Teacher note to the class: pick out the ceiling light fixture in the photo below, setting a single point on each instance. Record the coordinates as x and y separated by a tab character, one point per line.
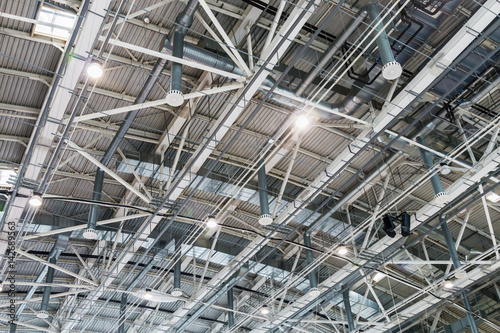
342	250
211	222
95	70
36	200
448	284
148	294
302	121
156	296
445	169
42	314
264	310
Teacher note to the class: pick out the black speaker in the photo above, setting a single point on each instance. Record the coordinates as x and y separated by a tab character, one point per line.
389	226
405	224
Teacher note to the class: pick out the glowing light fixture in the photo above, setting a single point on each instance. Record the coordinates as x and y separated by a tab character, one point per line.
156	296
211	222
448	284
148	294
36	200
95	70
342	250
302	121
264	310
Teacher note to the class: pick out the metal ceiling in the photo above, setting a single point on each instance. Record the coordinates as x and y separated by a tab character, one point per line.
335	179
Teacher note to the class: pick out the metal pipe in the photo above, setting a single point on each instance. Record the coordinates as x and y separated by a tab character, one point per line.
230	306
123	309
456	263
330	52
439	193
348	312
391	69
313	282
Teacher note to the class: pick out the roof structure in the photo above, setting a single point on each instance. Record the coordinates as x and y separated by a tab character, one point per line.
209	166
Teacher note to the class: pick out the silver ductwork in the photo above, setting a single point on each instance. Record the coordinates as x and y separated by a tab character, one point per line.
265	218
391	69
358	95
186	17
43	313
182	24
439	193
313	281
176	291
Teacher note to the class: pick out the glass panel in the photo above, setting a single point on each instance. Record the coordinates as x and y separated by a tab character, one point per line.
58	23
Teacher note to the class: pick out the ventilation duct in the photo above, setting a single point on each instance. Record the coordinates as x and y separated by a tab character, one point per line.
440	195
230	306
43	313
357	96
123	310
183	23
348	311
265	218
313	291
391	69
183	18
456	264
176	291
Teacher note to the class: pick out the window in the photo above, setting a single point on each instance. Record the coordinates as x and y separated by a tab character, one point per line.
54	23
5	174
